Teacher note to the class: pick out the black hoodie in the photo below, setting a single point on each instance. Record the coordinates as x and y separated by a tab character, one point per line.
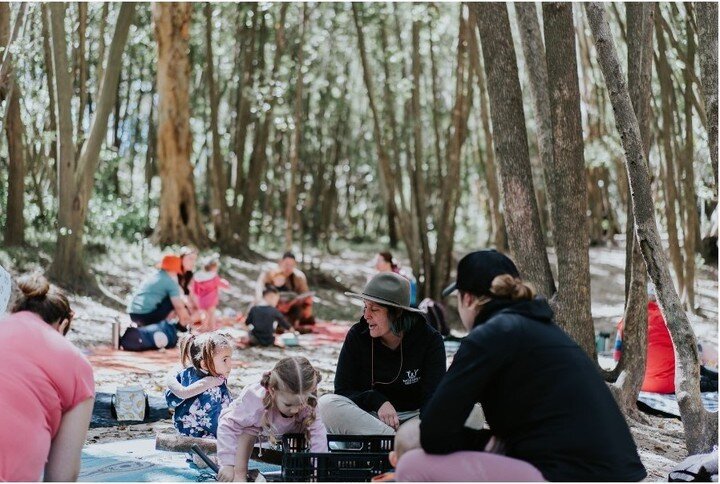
423	365
541	395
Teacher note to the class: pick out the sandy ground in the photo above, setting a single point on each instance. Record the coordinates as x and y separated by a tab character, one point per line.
660	443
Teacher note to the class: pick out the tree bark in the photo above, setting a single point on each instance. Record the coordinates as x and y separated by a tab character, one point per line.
75	179
669	180
220	215
508	121
699	424
572	302
534	52
81	75
179	221
707	20
99	73
290	206
51	124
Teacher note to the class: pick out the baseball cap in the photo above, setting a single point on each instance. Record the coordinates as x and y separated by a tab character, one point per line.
476	271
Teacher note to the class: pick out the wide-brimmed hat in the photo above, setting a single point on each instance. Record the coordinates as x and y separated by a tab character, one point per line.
171	263
476	271
389	289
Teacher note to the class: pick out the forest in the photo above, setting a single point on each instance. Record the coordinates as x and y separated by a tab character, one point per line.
429	129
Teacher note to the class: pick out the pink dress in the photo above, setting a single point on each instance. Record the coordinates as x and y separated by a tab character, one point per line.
206	288
43	376
244	415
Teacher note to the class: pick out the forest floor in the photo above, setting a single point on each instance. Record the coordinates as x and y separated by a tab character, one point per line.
120	269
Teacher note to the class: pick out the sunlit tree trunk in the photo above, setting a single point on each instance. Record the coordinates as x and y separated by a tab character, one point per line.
179	221
707	21
508	121
699	424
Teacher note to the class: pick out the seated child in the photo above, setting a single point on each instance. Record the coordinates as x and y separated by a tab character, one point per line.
205	287
264	318
199	392
283	402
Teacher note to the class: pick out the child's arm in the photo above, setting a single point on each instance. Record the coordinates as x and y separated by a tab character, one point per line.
193	389
238	471
318	435
223	283
282	321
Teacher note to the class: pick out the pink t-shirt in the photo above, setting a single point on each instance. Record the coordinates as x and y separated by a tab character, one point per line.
206	287
244	416
43	376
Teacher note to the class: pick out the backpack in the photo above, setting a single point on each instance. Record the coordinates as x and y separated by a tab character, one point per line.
435	315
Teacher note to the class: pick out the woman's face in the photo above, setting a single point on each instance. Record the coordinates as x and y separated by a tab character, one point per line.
188	261
466	311
381	265
377	319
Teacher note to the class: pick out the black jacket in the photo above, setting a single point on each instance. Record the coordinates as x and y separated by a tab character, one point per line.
423	366
541	395
262	318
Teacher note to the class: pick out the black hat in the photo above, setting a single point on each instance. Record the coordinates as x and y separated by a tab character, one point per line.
476	271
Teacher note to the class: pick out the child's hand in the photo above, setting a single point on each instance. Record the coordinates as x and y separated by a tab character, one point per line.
226	474
215	381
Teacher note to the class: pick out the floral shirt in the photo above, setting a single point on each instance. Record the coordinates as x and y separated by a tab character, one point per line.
198	416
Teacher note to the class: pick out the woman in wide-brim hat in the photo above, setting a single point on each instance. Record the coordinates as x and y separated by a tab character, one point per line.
389	366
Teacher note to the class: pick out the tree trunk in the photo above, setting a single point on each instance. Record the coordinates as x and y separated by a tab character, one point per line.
508	121
534	52
290	207
669	180
101	47
688	179
14	232
499	237
75	179
81	75
572	302
699	424
707	20
220	215
179	221
51	126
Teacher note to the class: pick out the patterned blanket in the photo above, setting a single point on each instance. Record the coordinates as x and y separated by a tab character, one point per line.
667	406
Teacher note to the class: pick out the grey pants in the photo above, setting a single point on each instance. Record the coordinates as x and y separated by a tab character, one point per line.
341	416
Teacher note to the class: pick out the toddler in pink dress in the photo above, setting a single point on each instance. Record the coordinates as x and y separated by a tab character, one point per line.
205	288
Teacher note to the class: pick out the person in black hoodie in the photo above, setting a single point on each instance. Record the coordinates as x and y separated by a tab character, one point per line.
389	366
543	398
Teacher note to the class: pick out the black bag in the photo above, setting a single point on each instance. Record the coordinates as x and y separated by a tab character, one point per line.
435	315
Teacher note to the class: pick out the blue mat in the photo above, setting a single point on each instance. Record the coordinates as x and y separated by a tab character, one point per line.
137	460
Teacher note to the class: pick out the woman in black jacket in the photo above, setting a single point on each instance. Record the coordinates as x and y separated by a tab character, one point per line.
389	366
543	398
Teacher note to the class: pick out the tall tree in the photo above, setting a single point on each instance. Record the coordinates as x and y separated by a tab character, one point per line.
572	302
511	147
179	221
290	206
76	177
699	424
707	21
14	232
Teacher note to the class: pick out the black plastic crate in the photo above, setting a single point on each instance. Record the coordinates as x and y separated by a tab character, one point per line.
356	458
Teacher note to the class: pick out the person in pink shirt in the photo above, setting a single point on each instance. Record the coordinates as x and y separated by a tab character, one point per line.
205	288
46	388
283	402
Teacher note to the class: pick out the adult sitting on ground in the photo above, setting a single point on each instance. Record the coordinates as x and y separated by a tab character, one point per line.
159	295
384	262
295	300
542	396
389	366
47	388
660	365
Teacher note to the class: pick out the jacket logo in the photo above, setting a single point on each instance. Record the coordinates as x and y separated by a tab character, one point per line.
412	377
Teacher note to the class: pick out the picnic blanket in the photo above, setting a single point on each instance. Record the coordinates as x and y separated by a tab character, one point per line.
101	416
666	405
122	362
137	460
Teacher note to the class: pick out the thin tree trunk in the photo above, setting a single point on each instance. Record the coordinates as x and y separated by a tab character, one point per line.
219	208
82	70
99	72
179	221
699	424
688	179
499	237
534	53
508	121
47	56
707	19
290	209
572	301
670	184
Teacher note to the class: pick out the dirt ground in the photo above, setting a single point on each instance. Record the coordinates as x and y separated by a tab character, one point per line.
660	442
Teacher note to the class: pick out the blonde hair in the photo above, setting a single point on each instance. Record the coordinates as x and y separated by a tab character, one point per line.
505	287
295	375
194	350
